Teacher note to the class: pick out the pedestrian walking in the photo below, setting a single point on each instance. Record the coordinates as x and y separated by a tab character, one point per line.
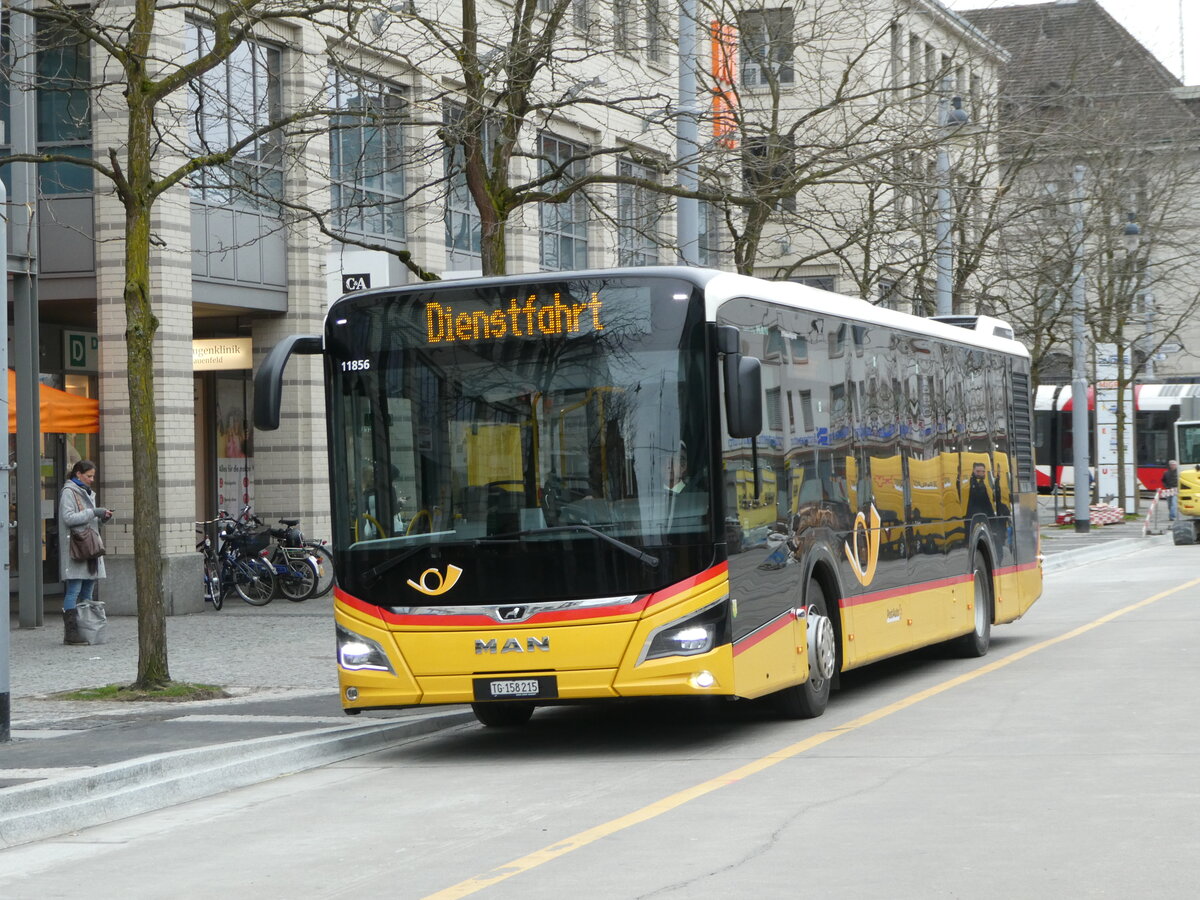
1170	488
78	513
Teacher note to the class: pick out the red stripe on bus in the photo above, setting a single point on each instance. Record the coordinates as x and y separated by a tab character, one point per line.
756	637
468	619
875	596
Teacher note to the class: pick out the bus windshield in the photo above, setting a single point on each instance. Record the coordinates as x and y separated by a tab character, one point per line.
542	441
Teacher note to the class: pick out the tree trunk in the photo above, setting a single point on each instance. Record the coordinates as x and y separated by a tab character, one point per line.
140	327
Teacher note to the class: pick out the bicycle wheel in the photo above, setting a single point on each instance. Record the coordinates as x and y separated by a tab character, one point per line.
214	590
298	581
254	582
324	568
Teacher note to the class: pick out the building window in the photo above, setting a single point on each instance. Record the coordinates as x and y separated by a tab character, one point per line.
625	26
768	164
897	54
64	110
638	217
236	101
463	222
366	149
890	296
824	282
710	234
581	15
768	41
656	31
563	225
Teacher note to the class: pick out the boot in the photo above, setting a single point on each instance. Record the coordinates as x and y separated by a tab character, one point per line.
71	633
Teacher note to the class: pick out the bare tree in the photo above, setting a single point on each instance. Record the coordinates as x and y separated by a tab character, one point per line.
145	76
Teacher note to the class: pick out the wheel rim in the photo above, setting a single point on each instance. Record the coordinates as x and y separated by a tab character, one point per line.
981	598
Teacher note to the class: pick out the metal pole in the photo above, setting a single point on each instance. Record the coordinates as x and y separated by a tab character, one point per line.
5	468
1079	381
944	257
687	145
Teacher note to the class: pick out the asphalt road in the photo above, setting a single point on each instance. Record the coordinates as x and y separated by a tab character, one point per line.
1062	765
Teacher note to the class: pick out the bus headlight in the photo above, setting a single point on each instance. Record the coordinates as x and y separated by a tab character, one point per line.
698	633
356	652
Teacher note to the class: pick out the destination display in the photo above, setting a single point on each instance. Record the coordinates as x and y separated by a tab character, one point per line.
535	316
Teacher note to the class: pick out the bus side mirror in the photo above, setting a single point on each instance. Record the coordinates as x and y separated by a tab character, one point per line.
268	380
743	386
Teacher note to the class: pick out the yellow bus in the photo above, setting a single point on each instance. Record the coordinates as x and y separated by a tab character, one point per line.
552	465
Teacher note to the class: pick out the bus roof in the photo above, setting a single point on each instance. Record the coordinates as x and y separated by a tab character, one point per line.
724	286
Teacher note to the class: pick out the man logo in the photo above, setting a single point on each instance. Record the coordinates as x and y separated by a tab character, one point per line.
512	645
512	613
444	583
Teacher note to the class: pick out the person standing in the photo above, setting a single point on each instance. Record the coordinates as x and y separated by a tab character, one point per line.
1171	488
77	509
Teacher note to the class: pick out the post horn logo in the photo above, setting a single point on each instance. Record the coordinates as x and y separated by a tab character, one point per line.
864	574
444	582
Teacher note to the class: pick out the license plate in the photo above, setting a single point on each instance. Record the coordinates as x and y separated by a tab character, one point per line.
541	687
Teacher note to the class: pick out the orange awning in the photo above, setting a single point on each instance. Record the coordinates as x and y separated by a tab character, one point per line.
60	412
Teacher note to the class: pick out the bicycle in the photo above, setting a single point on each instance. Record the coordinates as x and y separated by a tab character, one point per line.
303	568
236	561
297	572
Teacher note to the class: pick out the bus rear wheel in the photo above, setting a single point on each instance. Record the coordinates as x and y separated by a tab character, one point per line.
507	714
808	700
975	644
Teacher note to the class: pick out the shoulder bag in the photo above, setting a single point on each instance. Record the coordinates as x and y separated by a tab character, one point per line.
85	542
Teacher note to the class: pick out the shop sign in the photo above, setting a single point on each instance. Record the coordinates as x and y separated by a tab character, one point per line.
214	354
81	351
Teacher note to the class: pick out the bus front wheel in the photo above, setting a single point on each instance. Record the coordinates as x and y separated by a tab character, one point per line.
507	714
975	643
808	700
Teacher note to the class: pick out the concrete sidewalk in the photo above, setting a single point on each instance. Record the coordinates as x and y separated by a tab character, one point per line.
71	765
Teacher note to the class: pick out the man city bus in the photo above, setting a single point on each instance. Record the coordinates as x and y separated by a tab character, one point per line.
561	487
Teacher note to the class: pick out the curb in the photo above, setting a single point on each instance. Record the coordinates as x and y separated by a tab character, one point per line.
108	793
1068	559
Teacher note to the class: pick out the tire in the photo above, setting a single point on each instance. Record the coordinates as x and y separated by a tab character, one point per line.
975	644
213	586
255	582
212	582
1184	532
298	582
324	568
808	700
503	714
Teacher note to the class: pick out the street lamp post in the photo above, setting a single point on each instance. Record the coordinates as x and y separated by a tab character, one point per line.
1131	236
951	116
1079	402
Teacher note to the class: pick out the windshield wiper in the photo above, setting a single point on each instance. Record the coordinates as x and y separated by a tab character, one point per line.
373	574
515	537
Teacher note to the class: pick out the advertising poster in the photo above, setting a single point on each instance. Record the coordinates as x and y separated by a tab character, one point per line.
1107	438
235	455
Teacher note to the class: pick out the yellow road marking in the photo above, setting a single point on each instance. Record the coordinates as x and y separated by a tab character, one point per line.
591	835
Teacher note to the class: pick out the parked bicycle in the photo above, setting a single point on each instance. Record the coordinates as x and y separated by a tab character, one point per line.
234	560
295	568
303	568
